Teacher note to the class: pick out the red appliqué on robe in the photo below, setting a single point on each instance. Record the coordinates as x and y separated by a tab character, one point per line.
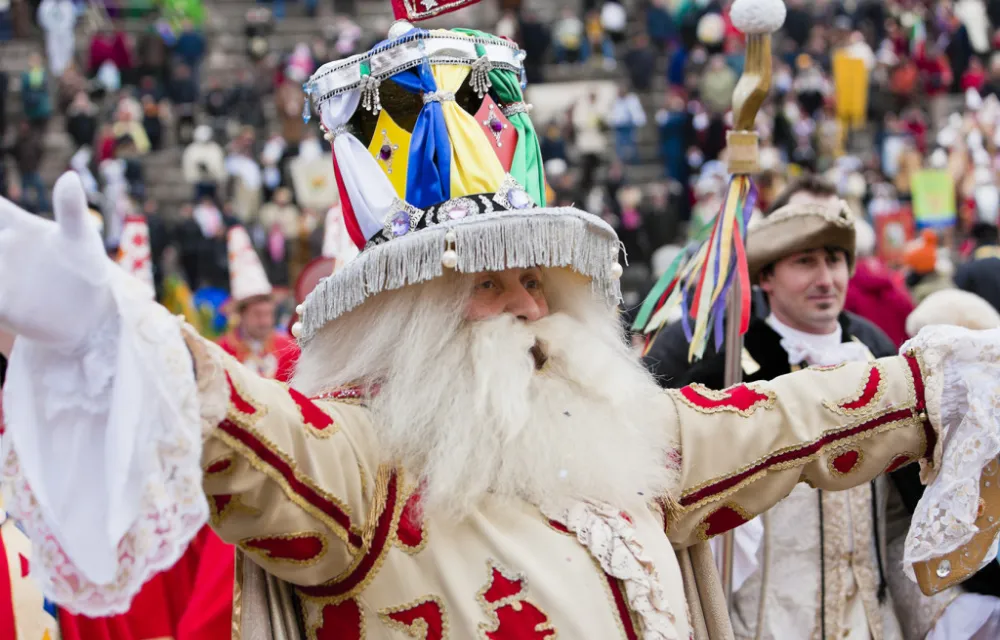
512	616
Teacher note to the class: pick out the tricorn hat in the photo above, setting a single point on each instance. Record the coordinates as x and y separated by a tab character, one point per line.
799	227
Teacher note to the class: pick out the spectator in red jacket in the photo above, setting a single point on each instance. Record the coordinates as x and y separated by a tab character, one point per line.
872	292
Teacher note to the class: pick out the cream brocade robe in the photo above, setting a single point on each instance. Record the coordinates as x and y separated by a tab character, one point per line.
300	486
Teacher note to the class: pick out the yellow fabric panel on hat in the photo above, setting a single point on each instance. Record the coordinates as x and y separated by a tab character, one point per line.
472	171
390	146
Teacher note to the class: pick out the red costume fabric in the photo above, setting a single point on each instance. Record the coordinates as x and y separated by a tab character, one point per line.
875	296
276	359
193	600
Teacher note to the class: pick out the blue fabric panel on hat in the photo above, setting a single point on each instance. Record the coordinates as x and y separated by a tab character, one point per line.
429	179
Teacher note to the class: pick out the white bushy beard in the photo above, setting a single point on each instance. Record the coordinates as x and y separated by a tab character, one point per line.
463	406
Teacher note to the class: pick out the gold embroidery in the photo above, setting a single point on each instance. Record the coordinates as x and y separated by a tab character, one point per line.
265	554
240	419
418	628
233	506
313	430
838	406
791	464
312	610
725	395
515	601
224	471
286	488
236	621
839	451
378	506
412	550
702	530
604	578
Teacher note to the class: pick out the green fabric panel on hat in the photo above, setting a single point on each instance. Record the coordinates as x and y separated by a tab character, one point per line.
366	69
527	167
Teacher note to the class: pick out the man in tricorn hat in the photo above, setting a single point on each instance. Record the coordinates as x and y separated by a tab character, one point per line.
468	447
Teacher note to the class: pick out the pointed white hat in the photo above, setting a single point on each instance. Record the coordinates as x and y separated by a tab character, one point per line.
134	254
246	274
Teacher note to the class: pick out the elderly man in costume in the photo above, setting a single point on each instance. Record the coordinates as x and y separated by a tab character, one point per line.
255	341
469	448
815	564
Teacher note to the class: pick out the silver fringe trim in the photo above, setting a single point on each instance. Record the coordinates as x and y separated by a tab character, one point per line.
438	96
479	77
550	237
370	99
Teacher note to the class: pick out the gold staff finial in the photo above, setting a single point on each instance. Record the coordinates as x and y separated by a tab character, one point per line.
758	19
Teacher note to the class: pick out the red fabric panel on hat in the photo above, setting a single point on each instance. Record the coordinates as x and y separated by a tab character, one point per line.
499	132
350	219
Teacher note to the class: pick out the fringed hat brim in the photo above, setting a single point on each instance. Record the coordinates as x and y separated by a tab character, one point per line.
540	237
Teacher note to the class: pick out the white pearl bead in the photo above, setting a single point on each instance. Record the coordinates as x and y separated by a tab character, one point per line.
450	237
300	310
616	271
449	259
297	329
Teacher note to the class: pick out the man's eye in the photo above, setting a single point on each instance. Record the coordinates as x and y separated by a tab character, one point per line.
486	284
532	283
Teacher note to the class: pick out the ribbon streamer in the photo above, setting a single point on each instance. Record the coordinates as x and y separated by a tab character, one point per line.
700	281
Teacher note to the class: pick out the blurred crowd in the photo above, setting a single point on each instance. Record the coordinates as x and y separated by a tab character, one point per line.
867	93
121	95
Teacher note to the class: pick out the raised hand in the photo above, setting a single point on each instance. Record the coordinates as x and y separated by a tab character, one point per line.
54	276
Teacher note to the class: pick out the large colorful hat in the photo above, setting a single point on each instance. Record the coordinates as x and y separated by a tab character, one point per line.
247	278
134	254
438	167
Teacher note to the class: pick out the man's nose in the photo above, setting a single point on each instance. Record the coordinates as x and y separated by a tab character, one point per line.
524	306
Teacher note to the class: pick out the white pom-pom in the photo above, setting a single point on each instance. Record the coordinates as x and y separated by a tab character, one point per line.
616	270
449	259
758	16
296	329
300	309
399	28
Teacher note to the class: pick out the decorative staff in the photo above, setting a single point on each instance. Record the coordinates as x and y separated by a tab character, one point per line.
711	283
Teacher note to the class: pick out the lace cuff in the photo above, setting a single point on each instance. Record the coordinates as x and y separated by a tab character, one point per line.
103	456
962	386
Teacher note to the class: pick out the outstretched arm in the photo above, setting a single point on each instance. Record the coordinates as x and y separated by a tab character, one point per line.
745	448
113	442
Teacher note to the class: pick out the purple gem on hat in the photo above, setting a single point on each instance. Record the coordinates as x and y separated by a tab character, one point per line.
400	224
518	198
385	152
456	211
495	125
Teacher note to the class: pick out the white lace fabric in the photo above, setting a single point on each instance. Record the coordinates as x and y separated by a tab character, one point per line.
962	389
611	540
102	455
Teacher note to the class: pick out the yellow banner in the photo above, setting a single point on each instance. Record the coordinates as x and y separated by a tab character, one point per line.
850	79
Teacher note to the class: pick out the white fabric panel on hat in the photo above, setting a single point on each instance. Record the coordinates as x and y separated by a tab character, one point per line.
370	192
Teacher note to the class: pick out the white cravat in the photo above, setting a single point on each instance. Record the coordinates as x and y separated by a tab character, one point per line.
823	350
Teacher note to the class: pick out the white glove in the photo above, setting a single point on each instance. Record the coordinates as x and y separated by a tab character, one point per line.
54	276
